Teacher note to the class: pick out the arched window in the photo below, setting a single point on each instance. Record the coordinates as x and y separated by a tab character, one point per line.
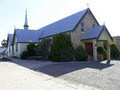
82	26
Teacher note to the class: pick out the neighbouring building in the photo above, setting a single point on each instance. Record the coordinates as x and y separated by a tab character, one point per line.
3	51
82	26
9	44
116	41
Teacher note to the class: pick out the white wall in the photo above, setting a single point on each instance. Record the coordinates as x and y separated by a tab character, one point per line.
21	48
104	36
9	49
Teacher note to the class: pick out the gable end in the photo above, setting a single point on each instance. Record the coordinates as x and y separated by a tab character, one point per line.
88	11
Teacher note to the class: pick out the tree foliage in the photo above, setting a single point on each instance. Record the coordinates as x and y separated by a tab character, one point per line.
61	49
102	51
42	48
80	54
29	52
115	53
31	48
4	43
24	55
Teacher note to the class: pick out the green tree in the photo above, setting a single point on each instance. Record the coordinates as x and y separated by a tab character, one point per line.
102	51
24	55
29	52
115	53
31	49
42	48
4	43
61	49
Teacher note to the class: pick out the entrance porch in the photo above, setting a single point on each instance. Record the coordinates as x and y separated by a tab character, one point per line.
91	48
95	37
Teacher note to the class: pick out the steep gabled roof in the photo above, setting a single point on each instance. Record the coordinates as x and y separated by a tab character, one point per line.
63	25
10	38
25	36
2	50
95	32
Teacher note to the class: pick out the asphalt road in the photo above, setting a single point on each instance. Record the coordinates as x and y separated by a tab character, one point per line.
103	75
22	75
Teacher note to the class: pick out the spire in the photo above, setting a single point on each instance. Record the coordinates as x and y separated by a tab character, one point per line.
26	21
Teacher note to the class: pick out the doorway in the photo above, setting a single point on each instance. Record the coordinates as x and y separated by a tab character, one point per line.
89	48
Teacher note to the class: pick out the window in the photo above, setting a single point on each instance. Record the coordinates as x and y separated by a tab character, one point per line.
16	46
82	26
93	25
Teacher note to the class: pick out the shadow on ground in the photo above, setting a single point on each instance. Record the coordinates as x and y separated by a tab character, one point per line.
4	60
62	68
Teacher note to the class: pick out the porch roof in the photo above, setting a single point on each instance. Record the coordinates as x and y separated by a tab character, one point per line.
94	33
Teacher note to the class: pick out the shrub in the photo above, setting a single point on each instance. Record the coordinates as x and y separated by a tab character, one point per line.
31	49
61	49
24	55
42	48
102	51
15	57
80	54
115	53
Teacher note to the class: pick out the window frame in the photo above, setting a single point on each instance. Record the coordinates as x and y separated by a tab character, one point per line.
82	26
93	25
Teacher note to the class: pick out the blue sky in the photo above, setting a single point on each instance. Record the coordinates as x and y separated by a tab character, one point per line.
44	12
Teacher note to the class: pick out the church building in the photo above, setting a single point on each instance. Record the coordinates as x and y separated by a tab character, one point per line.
82	27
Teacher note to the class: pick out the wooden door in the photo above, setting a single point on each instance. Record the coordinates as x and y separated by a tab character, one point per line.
89	48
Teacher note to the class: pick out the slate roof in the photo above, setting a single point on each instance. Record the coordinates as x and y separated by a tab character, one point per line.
94	33
10	38
2	50
63	25
25	36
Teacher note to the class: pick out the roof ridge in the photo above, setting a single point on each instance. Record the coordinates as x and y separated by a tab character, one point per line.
26	29
63	18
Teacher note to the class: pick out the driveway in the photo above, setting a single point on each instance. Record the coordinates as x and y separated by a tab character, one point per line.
103	75
41	75
22	75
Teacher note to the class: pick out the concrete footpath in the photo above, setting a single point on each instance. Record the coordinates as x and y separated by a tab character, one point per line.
19	76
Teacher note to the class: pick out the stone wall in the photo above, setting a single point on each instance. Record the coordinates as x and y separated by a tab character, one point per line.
77	33
118	42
